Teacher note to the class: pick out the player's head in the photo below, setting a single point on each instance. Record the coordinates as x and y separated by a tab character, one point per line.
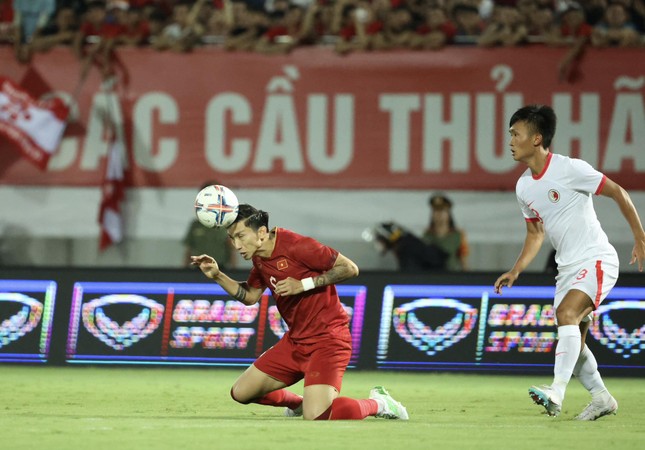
250	231
252	217
539	119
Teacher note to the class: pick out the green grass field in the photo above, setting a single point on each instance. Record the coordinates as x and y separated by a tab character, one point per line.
116	409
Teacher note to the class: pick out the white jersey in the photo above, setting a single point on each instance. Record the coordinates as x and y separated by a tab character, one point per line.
560	198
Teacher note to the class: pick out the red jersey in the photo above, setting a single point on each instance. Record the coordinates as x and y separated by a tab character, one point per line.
313	314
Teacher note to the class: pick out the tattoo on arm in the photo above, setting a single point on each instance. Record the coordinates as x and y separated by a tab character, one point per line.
240	294
334	275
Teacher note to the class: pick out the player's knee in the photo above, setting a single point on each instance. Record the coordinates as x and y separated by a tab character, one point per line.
236	395
566	316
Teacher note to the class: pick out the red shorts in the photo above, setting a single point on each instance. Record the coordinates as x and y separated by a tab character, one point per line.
323	362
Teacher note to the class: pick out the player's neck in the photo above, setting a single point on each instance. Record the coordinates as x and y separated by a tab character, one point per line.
538	161
266	249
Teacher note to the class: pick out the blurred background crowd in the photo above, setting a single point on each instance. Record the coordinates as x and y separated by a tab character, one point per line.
278	26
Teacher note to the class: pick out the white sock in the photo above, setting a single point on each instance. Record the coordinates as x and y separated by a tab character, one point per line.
586	370
566	354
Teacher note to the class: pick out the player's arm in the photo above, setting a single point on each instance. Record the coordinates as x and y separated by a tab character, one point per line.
343	269
627	208
532	244
240	291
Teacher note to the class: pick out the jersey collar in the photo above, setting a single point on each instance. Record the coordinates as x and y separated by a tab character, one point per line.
546	166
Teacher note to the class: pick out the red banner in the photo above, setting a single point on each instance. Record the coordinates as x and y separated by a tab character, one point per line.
417	120
35	127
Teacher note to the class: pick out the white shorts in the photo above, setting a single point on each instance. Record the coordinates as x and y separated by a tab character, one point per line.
594	277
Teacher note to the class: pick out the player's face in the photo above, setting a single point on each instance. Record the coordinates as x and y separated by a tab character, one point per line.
245	240
522	141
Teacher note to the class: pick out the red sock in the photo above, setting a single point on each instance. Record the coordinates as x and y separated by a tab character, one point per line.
281	397
345	408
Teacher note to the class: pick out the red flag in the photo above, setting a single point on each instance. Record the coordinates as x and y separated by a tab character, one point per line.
36	127
112	195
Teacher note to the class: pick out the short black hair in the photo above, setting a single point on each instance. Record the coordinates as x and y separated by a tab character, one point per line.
540	119
96	4
252	217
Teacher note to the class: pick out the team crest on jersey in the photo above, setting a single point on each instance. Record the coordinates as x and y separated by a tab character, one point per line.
282	264
554	196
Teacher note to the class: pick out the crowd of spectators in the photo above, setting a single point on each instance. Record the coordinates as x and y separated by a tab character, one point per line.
93	27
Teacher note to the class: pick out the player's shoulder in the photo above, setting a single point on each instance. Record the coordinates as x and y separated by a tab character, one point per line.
569	166
285	235
288	239
525	177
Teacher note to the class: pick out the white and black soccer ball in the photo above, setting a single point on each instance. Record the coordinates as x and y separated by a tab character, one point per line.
216	206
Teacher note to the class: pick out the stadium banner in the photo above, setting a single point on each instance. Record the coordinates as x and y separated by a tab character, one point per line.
180	323
314	119
470	327
26	310
420	322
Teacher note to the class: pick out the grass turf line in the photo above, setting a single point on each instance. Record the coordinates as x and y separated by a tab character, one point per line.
119	409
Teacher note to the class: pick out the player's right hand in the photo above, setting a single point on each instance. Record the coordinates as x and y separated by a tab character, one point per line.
206	264
505	279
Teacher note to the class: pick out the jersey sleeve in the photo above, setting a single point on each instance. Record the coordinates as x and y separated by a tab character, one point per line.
583	177
314	255
527	212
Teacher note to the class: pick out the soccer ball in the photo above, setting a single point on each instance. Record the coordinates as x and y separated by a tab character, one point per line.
216	206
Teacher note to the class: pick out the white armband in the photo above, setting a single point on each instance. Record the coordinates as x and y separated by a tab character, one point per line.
308	284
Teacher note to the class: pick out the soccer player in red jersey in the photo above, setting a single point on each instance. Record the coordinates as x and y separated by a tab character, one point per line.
301	274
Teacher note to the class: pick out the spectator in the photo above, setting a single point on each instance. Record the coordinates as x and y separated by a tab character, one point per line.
572	28
29	17
541	24
247	26
506	29
398	30
594	11
60	31
468	22
314	25
136	29
345	25
156	20
215	242
282	34
637	15
444	233
217	27
185	30
435	32
95	40
615	30
574	32
526	8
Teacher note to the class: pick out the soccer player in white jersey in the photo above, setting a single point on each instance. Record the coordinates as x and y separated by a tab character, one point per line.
554	194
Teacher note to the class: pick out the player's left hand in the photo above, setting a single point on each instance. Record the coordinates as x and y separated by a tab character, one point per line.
505	279
288	286
638	254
